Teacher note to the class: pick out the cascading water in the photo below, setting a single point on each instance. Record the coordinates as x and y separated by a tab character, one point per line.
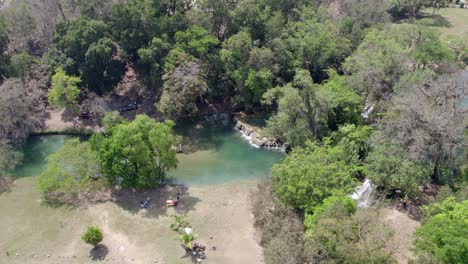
363	194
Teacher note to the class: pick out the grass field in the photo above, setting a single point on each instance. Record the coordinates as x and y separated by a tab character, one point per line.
449	21
31	232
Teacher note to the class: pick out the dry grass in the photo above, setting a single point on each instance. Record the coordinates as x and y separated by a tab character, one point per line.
220	214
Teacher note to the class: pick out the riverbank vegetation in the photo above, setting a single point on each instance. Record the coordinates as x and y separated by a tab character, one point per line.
355	88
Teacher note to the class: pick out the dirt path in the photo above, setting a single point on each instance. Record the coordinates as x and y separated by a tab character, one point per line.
57	120
219	214
404	228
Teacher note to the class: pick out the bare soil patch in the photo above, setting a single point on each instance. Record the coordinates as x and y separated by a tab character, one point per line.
404	227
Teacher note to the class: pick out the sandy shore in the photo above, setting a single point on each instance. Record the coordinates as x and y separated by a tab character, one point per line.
219	214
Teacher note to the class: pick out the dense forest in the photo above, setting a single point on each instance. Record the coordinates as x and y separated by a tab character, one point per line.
354	88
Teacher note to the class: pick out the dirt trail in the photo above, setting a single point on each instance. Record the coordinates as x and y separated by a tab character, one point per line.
404	228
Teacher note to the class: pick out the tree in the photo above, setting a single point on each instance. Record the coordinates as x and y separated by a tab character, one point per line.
290	123
10	157
101	71
308	175
136	154
17	114
92	235
445	234
376	65
388	167
196	41
21	65
71	171
112	119
152	57
330	205
181	90
64	91
338	237
428	122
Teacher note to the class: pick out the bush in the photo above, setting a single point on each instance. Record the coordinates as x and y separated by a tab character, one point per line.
445	233
92	236
280	227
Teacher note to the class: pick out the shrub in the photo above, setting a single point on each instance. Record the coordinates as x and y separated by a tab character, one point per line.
92	236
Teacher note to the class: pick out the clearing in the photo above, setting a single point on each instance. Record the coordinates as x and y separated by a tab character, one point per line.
219	214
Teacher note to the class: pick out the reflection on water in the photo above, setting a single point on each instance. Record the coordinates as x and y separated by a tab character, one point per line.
218	155
35	151
221	156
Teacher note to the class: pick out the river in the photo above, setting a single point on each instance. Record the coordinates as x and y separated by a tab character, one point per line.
218	155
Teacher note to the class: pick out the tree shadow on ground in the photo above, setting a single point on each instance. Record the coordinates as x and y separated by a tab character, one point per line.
99	252
434	21
129	200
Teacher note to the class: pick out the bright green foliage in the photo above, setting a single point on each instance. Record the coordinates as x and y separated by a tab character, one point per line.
3	46
70	171
186	239
137	154
354	140
92	236
343	105
331	204
21	65
180	222
182	87
445	234
256	84
426	44
9	156
64	91
317	45
112	119
196	41
387	166
309	175
152	57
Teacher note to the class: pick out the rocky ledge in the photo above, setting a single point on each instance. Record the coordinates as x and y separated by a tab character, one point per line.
254	135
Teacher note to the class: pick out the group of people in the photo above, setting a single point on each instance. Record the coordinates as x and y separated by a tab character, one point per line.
198	250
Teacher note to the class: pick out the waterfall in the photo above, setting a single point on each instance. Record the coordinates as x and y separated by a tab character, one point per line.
363	194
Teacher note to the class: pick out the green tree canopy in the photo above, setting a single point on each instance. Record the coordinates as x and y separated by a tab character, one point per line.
137	154
309	175
197	41
387	166
445	234
92	235
64	91
70	171
181	90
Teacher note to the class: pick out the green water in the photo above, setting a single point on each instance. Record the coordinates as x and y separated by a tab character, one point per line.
35	153
218	155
